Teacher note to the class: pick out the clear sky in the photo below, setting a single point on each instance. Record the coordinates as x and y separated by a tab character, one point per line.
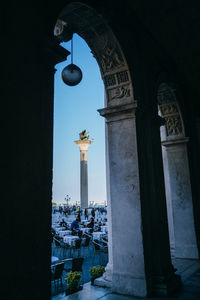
75	109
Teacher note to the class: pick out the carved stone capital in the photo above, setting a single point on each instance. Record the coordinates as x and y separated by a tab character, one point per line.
119	112
175	142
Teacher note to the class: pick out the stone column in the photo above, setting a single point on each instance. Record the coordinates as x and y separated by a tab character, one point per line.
168	194
169	203
180	198
83	146
126	254
109	267
160	275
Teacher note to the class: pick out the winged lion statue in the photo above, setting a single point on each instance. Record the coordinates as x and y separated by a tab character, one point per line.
84	135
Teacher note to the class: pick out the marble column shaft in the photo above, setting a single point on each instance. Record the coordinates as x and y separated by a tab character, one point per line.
83	146
181	198
126	256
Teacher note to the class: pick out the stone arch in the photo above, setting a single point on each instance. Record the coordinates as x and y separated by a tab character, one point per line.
125	271
79	18
183	242
132	268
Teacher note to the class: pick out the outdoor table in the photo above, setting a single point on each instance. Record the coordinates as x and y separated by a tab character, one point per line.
59	229
70	239
87	230
55	226
55	222
85	222
62	233
98	235
104	228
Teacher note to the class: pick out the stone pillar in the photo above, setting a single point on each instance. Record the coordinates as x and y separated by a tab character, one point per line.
83	146
169	203
109	268
180	198
168	194
126	254
160	275
194	164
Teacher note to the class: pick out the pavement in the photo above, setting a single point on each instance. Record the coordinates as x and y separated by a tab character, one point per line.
188	269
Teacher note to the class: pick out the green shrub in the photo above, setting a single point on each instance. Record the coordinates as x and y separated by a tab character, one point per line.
72	280
96	271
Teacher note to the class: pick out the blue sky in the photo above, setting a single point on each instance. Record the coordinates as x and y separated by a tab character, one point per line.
75	109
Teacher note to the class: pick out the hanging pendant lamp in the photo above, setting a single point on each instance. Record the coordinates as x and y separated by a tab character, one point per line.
71	74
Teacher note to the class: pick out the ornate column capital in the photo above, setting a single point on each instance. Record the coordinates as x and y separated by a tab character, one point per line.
119	112
83	146
175	142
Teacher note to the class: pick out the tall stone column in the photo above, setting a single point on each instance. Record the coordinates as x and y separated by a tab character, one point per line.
109	267
83	146
160	274
169	202
177	176
180	197
125	269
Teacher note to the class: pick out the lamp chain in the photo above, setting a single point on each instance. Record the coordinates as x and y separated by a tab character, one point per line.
72	50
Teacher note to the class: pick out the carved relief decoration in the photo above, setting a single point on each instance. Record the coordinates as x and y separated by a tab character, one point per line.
107	52
111	59
121	92
113	66
173	125
116	78
122	76
166	94
110	80
59	27
104	46
169	109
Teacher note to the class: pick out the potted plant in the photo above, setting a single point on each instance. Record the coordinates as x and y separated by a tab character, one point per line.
72	280
95	272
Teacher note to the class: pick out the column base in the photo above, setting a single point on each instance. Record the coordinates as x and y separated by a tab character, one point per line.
100	281
187	252
167	287
106	279
108	272
126	284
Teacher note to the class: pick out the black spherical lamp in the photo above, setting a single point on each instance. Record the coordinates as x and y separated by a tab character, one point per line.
71	74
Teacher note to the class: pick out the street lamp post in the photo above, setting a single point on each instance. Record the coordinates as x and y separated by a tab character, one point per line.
67	198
